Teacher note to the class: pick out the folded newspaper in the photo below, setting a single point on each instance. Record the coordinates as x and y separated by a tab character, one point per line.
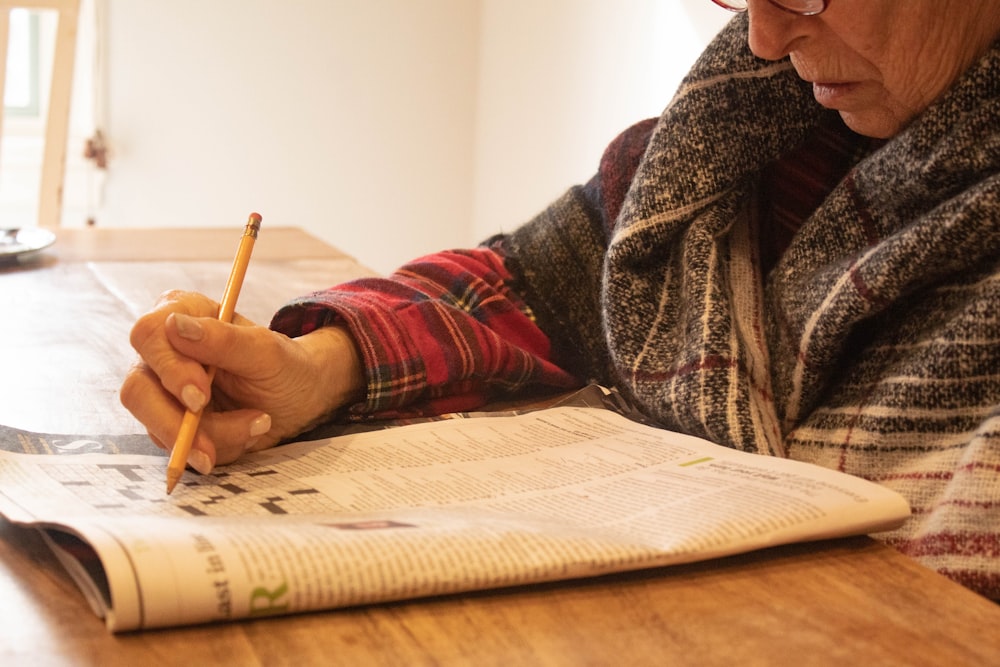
423	509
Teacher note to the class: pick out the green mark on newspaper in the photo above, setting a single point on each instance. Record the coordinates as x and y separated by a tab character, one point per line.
697	461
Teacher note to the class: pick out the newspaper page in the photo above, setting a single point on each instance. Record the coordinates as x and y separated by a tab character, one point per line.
424	509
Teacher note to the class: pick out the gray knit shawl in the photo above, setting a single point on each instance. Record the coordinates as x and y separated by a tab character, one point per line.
873	347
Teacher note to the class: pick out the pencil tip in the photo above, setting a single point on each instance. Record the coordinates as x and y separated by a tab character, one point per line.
171	481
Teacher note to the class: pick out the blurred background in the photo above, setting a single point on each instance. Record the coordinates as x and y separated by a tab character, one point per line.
389	128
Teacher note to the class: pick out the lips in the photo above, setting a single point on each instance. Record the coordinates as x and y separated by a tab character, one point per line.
834	95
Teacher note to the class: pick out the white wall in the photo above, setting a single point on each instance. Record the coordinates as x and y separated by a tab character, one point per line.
559	79
389	128
351	118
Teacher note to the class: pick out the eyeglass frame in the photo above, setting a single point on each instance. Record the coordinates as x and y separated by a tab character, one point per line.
778	4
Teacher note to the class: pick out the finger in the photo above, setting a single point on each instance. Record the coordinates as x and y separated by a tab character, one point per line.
222	437
190	303
156	441
142	394
235	348
197	459
175	371
235	432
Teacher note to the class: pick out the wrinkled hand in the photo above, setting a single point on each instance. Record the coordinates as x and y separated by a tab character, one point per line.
267	386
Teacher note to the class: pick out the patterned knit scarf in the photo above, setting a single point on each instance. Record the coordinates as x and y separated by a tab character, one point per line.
874	345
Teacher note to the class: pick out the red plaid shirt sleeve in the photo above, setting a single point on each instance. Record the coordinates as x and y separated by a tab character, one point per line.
444	333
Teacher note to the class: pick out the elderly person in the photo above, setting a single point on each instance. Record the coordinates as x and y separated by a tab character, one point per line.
800	257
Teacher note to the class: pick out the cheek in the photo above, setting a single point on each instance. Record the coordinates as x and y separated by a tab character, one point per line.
902	83
908	97
905	94
919	70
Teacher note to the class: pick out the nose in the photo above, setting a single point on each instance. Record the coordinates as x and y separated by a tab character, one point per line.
773	31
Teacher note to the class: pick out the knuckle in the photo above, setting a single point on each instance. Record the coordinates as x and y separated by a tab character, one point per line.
131	390
170	296
142	330
190	303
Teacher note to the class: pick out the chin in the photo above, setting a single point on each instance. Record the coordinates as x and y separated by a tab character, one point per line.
877	125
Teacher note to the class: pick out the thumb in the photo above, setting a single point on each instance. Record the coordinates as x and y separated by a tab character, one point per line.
234	348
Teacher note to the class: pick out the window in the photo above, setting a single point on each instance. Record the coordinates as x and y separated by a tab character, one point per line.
31	60
21	86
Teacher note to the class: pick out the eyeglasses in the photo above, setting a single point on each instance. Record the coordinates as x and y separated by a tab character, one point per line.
800	7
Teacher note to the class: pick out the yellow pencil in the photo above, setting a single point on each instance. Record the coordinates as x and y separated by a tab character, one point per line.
189	425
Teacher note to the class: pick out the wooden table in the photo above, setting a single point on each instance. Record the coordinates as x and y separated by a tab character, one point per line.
63	349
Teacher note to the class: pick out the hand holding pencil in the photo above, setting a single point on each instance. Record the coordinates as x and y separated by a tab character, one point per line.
189	426
211	390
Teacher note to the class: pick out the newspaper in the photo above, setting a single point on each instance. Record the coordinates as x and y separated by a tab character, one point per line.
419	510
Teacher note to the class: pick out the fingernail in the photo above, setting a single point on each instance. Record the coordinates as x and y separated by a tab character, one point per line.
200	461
260	426
188	327
193	398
